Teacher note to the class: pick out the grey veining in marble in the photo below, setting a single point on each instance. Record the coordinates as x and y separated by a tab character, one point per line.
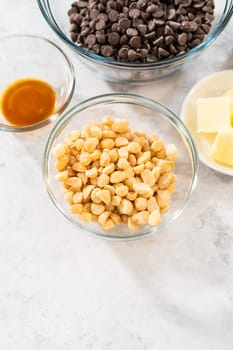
60	289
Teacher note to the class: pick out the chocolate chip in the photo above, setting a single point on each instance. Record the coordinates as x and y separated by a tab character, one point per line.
76	18
182	39
115	27
194	43
200	31
85	31
191	16
100	25
173	50
81	4
107	51
101	37
84	13
158	13
131	32
198	20
162	52
206	28
159	41
113	16
208	9
142	28
199	4
123	53
185	26
143	53
145	16
150	35
134	13
193	26
141	4
74	27
91	6
125	10
91	40
186	3
136	22
124	23
132	5
181	48
101	7
112	4
209	18
124	39
168	30
159	22
199	36
72	10
92	24
113	38
135	42
126	46
133	55
122	15
169	39
151	9
171	14
146	46
96	48
121	3
151	58
181	18
84	24
151	25
73	36
103	17
174	25
181	10
94	14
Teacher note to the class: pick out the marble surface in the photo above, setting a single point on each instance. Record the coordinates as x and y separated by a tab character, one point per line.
63	290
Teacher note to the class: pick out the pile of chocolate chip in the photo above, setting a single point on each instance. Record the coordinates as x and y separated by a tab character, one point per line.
143	30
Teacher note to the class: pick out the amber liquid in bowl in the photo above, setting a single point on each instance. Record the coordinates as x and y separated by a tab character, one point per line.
27	101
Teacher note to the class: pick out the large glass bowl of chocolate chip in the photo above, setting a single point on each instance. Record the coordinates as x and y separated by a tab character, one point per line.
137	41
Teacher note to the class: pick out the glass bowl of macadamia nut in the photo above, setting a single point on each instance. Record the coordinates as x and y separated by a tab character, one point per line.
120	166
137	41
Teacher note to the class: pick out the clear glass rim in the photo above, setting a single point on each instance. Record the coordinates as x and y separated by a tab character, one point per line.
70	90
48	15
139	100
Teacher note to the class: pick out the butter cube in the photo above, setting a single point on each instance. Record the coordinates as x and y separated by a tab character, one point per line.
213	113
222	149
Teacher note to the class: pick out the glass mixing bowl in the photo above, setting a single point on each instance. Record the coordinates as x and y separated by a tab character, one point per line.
142	113
30	56
55	14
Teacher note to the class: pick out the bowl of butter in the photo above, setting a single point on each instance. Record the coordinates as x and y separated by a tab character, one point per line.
208	113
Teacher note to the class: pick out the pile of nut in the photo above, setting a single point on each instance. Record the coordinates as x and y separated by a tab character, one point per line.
114	175
142	30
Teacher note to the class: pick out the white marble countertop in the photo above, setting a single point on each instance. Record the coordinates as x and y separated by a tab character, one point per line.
63	290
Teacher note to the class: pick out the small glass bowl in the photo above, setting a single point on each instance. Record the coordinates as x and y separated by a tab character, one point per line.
55	14
30	56
142	113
